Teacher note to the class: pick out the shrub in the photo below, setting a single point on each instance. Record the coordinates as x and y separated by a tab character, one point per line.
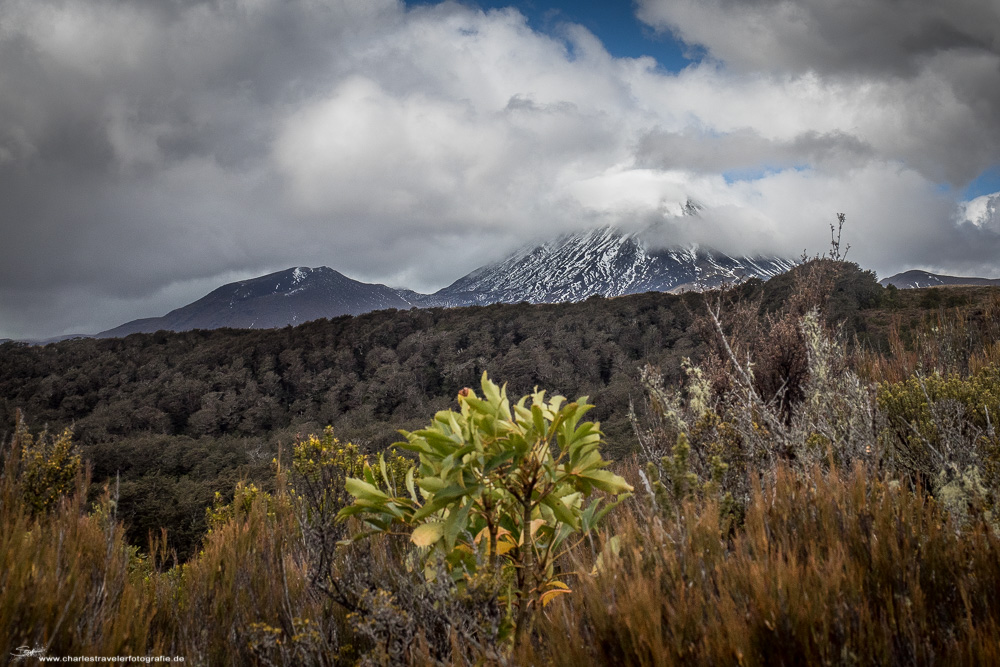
244	598
69	583
941	423
507	482
49	466
832	420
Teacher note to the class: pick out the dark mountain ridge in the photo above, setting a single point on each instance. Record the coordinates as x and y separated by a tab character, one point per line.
916	279
279	299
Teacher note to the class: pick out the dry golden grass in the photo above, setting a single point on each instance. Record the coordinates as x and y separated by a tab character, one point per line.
829	567
68	582
958	339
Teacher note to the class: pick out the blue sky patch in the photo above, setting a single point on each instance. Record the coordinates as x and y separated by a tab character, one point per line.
758	172
986	183
613	22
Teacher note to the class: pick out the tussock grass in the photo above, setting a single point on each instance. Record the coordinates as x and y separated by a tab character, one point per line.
957	340
830	567
69	583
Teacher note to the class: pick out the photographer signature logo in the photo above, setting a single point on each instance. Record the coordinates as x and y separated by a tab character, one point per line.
24	652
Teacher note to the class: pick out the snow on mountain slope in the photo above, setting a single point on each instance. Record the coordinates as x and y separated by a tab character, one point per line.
605	261
915	279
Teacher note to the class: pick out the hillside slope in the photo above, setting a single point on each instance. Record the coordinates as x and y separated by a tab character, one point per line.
292	296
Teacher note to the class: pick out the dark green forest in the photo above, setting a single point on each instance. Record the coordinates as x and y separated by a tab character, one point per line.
182	415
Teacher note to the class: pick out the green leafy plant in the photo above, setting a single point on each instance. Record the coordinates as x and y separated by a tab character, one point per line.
49	466
508	482
320	467
672	481
938	419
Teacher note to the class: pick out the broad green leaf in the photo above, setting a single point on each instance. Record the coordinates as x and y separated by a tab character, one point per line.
435	505
430	484
409	485
394	509
456	523
369	475
468	449
385	472
606	480
453	422
381	525
364	490
559	508
377	507
490	390
570	498
447	463
564	531
418	445
583	449
557	420
438	443
538	420
587	516
600	514
478	404
455	491
498	460
518	444
427	534
349	511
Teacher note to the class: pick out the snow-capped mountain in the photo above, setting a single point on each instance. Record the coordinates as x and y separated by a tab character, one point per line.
605	261
292	296
916	279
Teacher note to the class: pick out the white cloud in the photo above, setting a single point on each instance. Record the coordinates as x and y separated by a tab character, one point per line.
982	212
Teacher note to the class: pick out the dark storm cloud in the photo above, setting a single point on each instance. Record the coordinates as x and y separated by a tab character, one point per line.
874	37
134	139
141	147
746	149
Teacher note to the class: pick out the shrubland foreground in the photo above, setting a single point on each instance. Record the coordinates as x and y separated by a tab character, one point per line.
813	480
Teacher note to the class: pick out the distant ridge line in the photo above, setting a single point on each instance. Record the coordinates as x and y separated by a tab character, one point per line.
915	279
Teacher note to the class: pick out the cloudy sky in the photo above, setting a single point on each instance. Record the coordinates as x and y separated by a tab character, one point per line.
151	151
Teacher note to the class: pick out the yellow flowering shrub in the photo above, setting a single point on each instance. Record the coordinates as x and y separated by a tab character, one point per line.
49	467
932	419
